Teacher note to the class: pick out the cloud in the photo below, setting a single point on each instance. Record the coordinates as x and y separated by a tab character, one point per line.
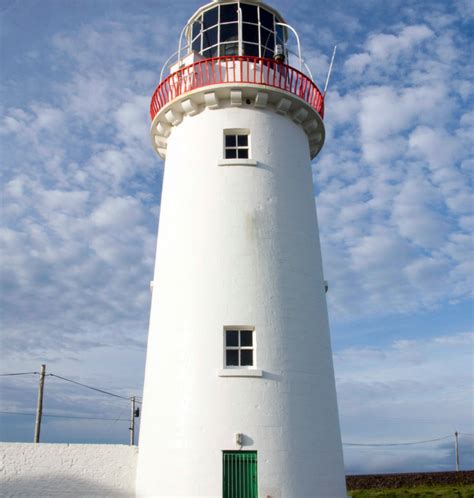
393	189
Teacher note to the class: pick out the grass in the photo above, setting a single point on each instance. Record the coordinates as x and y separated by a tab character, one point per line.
418	492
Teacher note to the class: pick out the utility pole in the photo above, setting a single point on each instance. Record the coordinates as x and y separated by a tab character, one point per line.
132	422
39	406
456	446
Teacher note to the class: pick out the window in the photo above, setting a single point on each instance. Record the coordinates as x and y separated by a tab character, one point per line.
236	145
239	347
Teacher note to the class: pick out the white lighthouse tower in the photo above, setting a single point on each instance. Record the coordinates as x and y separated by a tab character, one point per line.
239	397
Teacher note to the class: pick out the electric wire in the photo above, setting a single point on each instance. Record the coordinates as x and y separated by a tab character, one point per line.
89	387
102	391
53	415
115	420
18	373
398	444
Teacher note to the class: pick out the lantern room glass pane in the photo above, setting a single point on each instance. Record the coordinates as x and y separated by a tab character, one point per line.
228	12
229	32
210	52
267	39
250	50
196	29
249	13
211	17
250	33
196	45
230	49
280	35
266	19
209	37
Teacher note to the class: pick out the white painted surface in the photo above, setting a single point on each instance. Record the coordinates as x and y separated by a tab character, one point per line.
67	470
239	245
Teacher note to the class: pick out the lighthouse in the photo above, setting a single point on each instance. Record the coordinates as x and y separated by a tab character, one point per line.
239	398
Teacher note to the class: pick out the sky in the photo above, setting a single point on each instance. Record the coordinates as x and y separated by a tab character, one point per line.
80	206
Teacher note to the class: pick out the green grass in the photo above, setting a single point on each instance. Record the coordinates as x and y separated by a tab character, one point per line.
418	492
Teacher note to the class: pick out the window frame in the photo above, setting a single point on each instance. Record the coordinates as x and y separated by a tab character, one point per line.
236	133
239	348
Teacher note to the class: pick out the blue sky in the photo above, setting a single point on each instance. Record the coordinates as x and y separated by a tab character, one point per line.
81	202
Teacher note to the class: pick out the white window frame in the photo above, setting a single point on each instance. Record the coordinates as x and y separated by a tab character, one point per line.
237	161
237	148
239	348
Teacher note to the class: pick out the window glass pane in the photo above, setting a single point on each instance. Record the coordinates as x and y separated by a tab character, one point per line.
267	39
209	37
280	35
242	140
231	338
232	357
246	338
230	141
210	18
266	18
250	33
268	54
196	29
229	32
229	12
246	357
249	13
230	49
243	153
196	44
251	50
230	153
210	52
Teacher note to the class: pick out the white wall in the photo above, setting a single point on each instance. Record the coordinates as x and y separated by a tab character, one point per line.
67	470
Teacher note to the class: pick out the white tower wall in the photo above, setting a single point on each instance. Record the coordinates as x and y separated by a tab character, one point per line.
239	246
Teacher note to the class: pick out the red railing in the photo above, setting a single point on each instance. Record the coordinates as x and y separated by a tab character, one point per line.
235	69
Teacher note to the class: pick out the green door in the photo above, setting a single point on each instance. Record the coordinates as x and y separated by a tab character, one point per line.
240	474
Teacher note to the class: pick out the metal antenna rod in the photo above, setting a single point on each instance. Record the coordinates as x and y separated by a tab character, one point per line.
39	406
330	70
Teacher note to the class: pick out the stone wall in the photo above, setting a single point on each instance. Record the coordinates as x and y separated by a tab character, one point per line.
67	470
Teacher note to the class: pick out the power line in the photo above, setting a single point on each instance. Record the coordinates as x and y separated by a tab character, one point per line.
64	416
102	391
398	444
18	373
90	387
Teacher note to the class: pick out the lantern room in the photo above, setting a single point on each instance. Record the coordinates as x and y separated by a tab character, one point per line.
237	28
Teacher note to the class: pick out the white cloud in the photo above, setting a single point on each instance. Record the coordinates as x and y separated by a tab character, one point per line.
385	46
